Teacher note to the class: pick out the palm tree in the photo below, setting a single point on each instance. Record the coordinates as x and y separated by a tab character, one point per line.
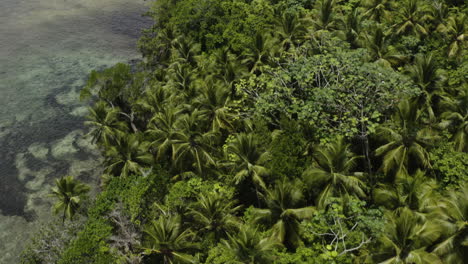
456	116
259	53
380	50
248	247
440	12
405	142
192	146
154	101
332	172
158	49
351	27
454	220
413	15
105	124
406	238
186	50
324	19
214	102
128	155
248	160
425	74
232	72
227	68
415	192
285	209
163	130
291	30
377	9
182	77
215	214
456	32
166	239
69	193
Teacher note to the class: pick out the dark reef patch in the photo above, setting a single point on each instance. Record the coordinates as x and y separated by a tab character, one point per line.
12	190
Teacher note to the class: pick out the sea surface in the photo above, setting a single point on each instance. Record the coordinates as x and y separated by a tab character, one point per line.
47	49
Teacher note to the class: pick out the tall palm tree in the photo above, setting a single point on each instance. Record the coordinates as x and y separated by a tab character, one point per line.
377	9
406	141
406	238
248	247
186	50
128	155
456	31
425	74
158	49
231	73
182	77
415	192
455	117
154	101
332	172
351	27
249	160
285	209
324	18
214	102
454	220
259	52
215	214
380	51
163	129
440	12
104	122
228	68
291	30
69	193
166	238
412	17
192	146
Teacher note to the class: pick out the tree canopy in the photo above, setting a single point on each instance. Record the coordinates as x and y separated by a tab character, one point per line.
282	131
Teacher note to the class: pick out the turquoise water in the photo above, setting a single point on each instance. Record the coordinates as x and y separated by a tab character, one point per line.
47	48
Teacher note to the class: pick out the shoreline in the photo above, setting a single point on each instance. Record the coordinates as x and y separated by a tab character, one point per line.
41	129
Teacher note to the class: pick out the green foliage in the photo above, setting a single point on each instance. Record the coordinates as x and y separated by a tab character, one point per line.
302	255
287	150
108	84
337	93
332	172
237	102
185	192
346	227
403	226
219	255
91	244
449	166
69	192
48	243
249	245
167	240
285	208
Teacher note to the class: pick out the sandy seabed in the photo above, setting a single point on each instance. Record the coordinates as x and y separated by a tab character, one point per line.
47	49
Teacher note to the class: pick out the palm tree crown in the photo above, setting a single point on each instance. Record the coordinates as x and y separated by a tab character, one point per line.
332	172
69	193
166	238
285	209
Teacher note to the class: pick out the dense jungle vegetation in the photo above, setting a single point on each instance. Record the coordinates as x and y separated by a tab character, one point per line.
277	131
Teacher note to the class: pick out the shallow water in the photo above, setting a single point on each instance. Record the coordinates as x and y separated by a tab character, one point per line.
47	48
